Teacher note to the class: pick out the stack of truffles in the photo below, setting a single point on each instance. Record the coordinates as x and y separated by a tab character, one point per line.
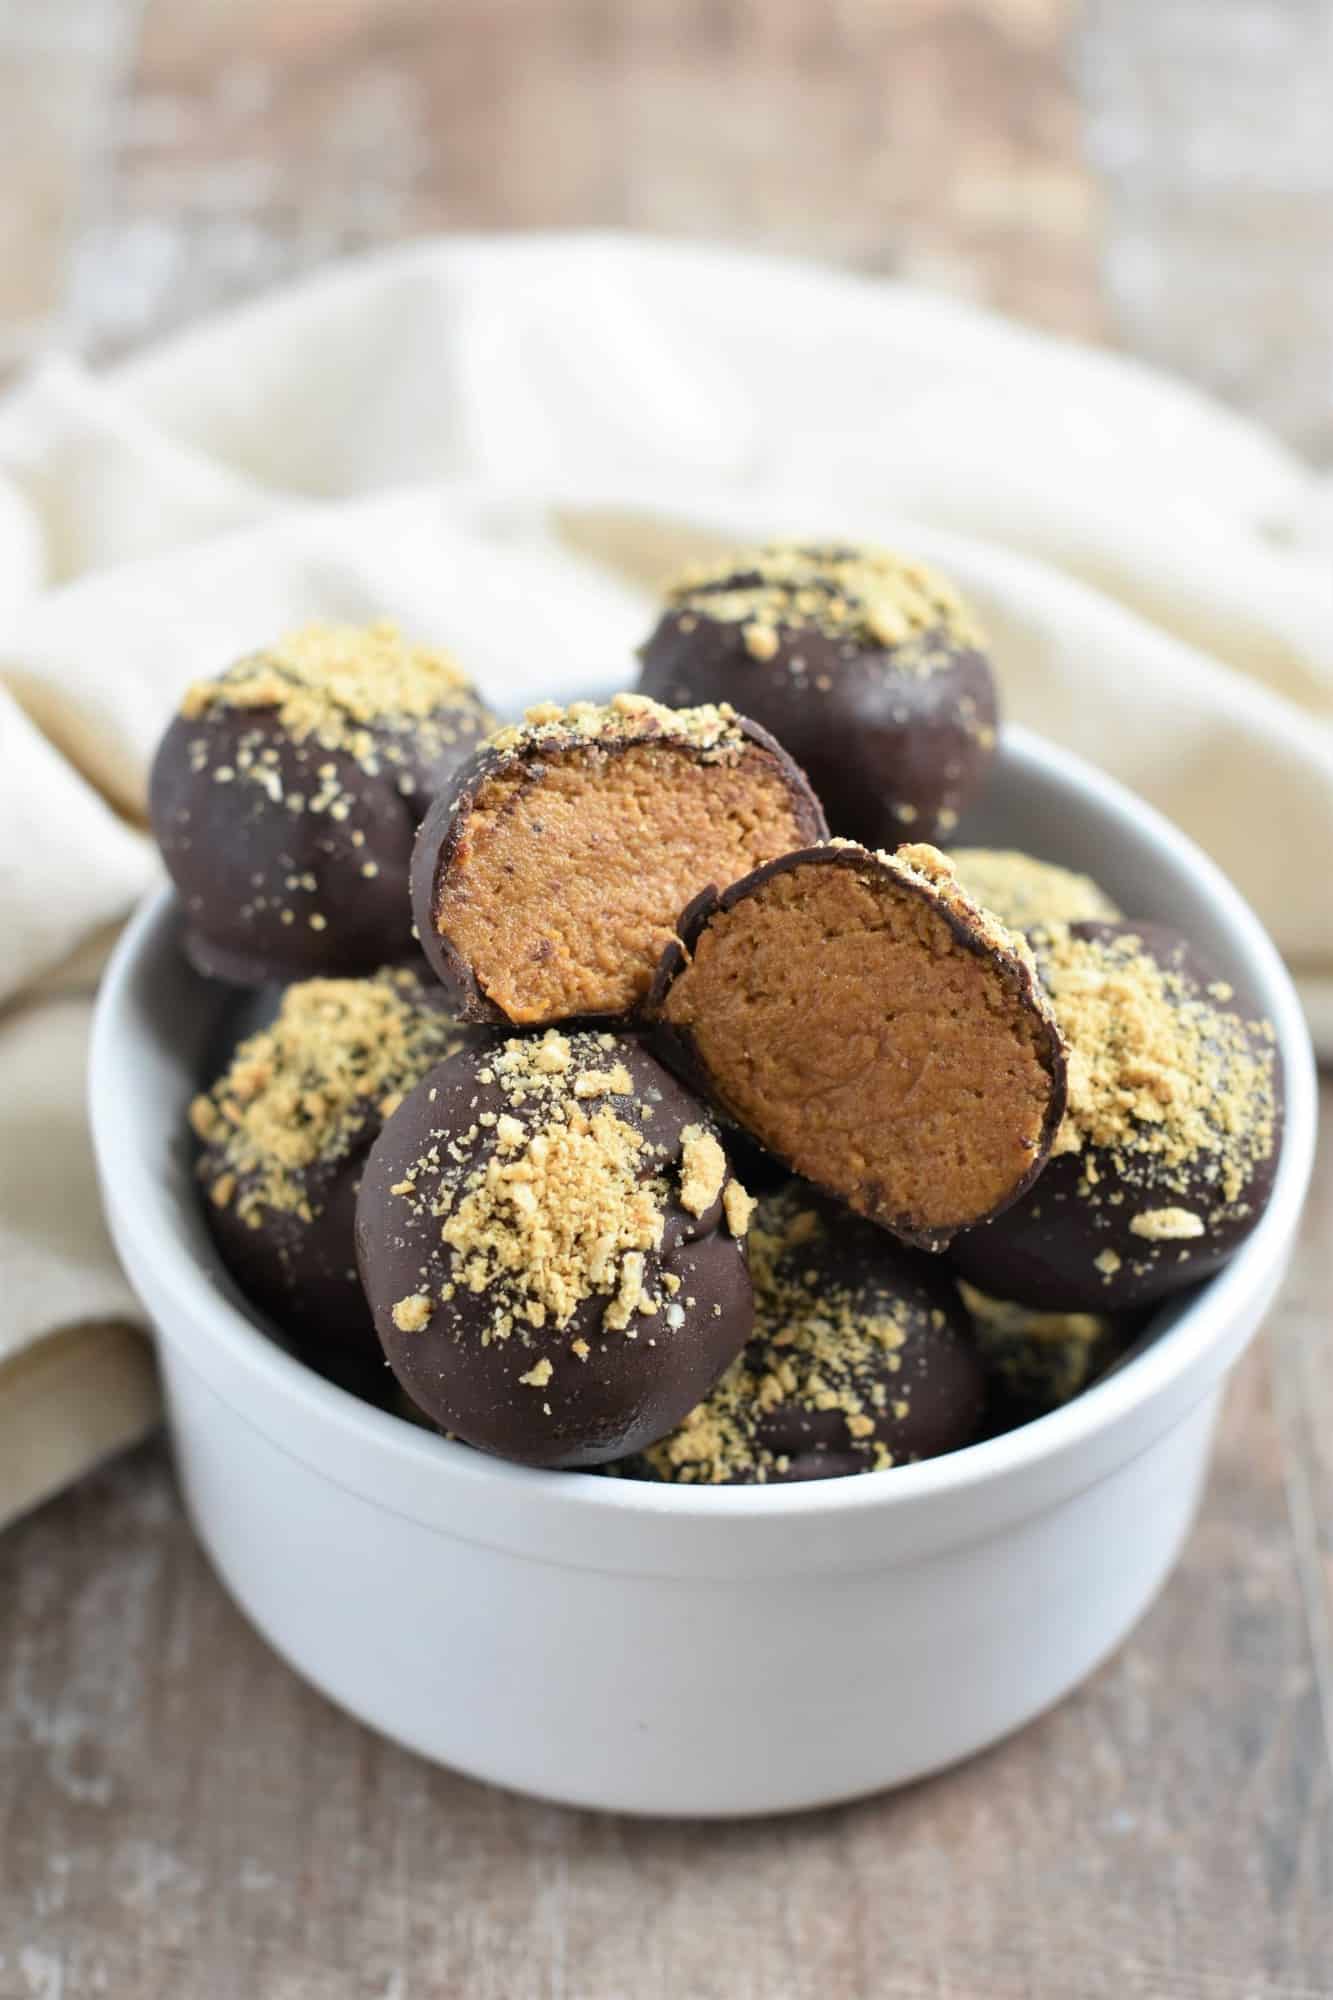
641	1122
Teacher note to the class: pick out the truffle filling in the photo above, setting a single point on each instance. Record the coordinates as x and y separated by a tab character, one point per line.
570	871
901	1070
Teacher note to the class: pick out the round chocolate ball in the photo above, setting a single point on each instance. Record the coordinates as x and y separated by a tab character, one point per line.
284	1132
1025	893
866	666
552	1243
860	1359
1166	1156
285	798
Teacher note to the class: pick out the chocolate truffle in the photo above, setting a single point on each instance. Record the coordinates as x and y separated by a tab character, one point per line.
285	796
865	665
551	1240
1037	1361
284	1133
550	874
1166	1157
1024	892
874	1029
861	1359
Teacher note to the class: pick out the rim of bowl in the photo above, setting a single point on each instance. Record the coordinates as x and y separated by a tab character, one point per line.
1161	1361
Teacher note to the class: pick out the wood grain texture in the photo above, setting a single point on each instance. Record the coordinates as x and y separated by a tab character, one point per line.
934	138
58	67
182	1816
179	1815
1211	130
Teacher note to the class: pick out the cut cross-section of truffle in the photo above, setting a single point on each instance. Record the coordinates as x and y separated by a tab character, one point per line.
286	794
1166	1157
1024	892
860	1360
552	1243
284	1132
549	876
874	1029
866	665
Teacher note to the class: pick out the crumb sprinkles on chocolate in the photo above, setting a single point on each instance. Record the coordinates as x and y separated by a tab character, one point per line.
286	792
368	695
568	1198
284	1132
861	595
866	665
858	1360
713	730
558	1214
302	1092
1175	1089
1024	892
1166	1155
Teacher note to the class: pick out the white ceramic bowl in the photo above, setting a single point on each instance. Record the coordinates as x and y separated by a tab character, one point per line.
662	1649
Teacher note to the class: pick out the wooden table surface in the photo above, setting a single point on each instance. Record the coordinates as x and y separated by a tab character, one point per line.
179	1815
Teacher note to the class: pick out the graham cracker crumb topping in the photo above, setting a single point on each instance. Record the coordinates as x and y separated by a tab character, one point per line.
360	694
713	732
309	1089
1180	1092
410	1315
1166	1225
819	1344
566	1199
324	680
703	1169
1023	892
866	596
738	1207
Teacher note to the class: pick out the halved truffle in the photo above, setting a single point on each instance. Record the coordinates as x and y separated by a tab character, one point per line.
1024	892
1166	1157
284	1132
549	876
874	1029
286	793
861	1359
866	665
552	1243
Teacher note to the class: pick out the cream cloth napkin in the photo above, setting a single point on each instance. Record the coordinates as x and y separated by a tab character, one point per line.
503	443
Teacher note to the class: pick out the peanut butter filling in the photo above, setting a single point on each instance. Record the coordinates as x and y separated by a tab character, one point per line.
841	1018
571	870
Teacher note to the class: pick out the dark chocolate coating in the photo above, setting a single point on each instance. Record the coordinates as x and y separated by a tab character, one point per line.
302	1272
247	1011
678	1049
924	1397
895	753
252	872
1035	1362
633	1385
1043	1251
445	825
